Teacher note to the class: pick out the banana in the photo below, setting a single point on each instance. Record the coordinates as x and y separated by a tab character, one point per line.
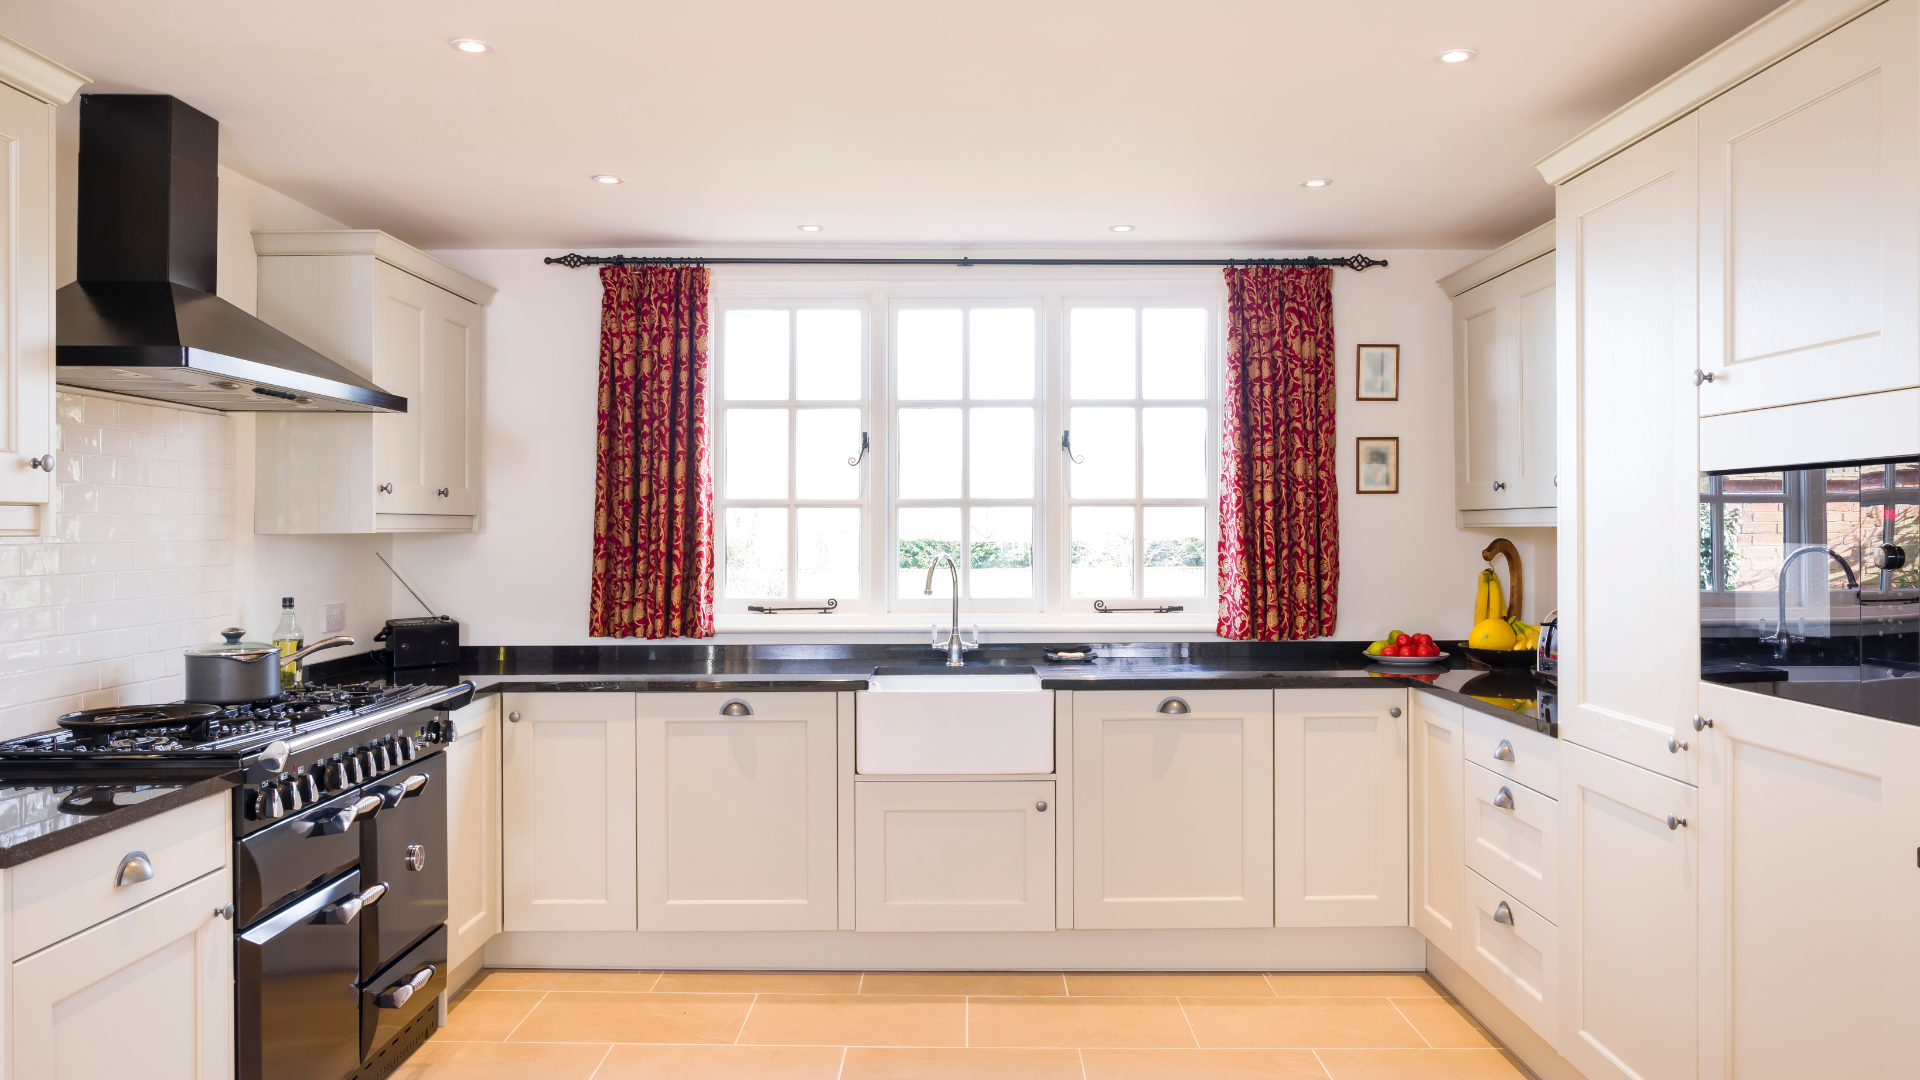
1496	600
1480	599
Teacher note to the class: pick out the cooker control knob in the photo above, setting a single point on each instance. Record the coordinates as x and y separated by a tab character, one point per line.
268	806
382	757
368	769
310	784
290	793
336	777
356	768
408	751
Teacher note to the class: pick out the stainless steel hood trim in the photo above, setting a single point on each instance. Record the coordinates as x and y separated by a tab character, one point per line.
120	369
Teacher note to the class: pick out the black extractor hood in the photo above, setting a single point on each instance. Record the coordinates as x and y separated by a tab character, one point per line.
142	318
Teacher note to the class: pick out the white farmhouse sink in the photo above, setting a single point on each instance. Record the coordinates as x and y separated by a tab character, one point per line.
954	723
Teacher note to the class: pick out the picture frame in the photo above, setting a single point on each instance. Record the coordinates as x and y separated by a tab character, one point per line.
1377	465
1376	373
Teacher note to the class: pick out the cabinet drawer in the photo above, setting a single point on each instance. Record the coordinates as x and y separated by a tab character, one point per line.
1518	961
1513	846
1534	757
58	895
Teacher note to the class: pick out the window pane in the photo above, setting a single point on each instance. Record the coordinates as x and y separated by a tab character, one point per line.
1173	559
1173	458
1000	349
926	532
756	356
757	454
824	441
1001	552
1754	540
929	356
827	355
929	453
1173	350
756	552
829	554
1101	366
1102	551
1001	454
1103	441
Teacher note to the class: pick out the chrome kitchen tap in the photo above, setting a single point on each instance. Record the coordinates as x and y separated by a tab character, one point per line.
954	646
1780	638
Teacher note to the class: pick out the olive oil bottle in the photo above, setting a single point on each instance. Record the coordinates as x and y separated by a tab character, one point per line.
288	639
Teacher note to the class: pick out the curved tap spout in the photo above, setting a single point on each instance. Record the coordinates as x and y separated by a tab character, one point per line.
955	646
1780	638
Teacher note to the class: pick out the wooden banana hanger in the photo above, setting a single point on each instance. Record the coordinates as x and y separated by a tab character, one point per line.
1504	546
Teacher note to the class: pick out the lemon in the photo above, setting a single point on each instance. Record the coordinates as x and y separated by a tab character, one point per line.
1492	634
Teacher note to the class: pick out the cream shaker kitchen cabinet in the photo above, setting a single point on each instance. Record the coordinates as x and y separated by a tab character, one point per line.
1340	807
473	836
30	87
1629	507
567	811
1810	222
1503	385
414	326
1173	809
1436	743
1629	850
738	809
147	993
1809	893
961	855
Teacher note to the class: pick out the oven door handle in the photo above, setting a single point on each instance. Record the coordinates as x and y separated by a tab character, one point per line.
341	820
398	995
342	911
405	789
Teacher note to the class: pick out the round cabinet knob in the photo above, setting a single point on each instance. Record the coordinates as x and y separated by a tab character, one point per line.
444	492
1702	723
1674	745
385	489
1499	485
1394	712
1041	806
514	717
44	462
224	912
1675	822
1700	376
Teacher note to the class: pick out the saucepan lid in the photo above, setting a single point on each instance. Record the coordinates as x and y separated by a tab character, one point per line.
233	648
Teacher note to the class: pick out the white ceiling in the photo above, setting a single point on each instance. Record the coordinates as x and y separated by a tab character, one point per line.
901	122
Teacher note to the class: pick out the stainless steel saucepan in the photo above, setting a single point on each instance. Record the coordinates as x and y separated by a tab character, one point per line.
234	672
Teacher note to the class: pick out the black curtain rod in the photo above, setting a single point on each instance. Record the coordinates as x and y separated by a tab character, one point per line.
575	261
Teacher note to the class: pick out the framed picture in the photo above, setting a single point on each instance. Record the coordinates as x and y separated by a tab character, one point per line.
1378	377
1378	472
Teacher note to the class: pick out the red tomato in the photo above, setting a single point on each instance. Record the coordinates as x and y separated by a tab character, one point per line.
1423	639
1399	639
1429	650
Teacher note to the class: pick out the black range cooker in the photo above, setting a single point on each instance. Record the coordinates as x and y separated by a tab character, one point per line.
340	883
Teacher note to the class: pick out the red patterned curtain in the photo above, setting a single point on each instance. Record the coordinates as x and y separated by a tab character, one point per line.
1279	500
653	509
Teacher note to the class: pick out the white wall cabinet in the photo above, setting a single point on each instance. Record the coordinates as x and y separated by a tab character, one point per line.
738	811
1174	810
955	855
1436	743
567	810
1340	807
1810	937
473	835
415	327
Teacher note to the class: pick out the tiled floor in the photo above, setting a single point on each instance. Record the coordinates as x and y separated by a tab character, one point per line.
748	1025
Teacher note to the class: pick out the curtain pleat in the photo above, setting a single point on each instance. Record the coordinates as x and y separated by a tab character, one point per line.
653	507
1279	550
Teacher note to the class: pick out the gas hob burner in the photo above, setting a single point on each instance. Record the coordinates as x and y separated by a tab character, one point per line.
135	717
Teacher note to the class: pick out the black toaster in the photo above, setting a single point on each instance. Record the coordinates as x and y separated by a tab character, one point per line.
422	642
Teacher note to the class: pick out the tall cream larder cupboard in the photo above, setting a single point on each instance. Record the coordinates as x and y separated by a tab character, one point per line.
417	328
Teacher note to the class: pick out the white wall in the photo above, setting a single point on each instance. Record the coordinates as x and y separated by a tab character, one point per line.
523	578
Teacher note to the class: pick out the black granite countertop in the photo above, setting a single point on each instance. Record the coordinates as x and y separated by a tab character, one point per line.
38	817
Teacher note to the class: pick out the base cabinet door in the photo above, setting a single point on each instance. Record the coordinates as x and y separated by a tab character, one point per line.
1340	807
956	855
737	811
1437	742
567	811
473	830
1810	897
148	993
1173	809
1629	920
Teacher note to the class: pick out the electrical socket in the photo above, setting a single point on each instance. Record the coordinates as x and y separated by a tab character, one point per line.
336	615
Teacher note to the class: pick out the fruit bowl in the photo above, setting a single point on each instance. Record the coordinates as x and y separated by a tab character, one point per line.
1410	661
1499	659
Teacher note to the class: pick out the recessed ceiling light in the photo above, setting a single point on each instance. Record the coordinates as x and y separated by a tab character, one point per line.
1119	228
603	178
1455	56
470	45
811	228
1315	182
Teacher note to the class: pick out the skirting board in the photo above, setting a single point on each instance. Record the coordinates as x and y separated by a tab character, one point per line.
1527	1044
1884	426
1371	948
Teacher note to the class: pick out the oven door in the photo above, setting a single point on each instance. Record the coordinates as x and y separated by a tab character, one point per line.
405	846
408	987
299	1002
285	860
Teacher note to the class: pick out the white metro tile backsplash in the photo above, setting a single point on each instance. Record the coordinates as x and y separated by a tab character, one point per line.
139	566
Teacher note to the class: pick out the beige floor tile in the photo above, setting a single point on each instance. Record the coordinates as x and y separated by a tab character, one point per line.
1443	1023
720	1063
922	1063
488	1015
1101	1021
1419	1065
1299	1022
846	1020
1202	1065
439	1060
758	982
975	983
640	1018
1292	985
632	981
1152	984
